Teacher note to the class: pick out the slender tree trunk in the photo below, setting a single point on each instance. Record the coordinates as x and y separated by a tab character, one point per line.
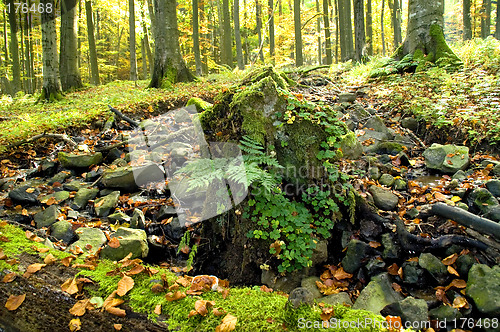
467	20
346	40
328	40
14	49
152	16
369	28
396	23
258	18
382	33
359	28
68	66
28	85
271	30
237	34
205	37
486	19
318	33
245	35
227	35
169	66
144	59
337	30
94	69
118	48
299	58
132	43
497	25
5	85
51	90
196	37
5	43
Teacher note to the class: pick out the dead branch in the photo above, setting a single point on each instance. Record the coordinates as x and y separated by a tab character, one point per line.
122	116
62	137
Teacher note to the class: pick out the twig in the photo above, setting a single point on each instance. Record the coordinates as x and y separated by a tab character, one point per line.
123	116
62	137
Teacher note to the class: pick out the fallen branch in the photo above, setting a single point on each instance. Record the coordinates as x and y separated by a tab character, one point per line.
122	116
63	137
464	218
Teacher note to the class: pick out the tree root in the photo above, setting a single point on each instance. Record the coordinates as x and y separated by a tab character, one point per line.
62	137
122	116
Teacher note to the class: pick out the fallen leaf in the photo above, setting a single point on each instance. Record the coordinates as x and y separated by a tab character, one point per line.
157	288
157	309
114	242
460	302
33	268
14	301
202	307
70	286
30	190
451	270
183	281
228	324
4	239
218	312
2	255
79	308
66	261
396	287
450	259
374	244
393	269
75	325
394	323
124	285
40	250
136	270
50	201
266	289
9	277
49	259
116	311
326	313
340	274
457	283
175	296
117	327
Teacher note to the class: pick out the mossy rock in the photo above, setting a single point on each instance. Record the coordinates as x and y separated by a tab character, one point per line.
200	104
69	160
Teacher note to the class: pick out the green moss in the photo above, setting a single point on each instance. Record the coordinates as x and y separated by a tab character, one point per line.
444	56
200	104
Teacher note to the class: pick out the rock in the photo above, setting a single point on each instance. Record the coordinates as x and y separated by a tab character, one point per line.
411	311
347	97
320	252
175	229
165	212
494	187
119	178
377	294
138	220
459	175
286	283
445	313
464	263
89	239
400	184
46	217
386	147
412	213
74	185
482	200
412	273
300	296
375	267
434	266
384	199
83	196
375	136
391	247
68	160
351	147
356	252
447	158
131	241
119	162
59	177
494	214
377	124
24	195
47	168
374	173
62	230
200	104
369	229
309	283
483	287
104	205
496	170
181	116
386	180
59	197
119	217
93	175
409	123
341	298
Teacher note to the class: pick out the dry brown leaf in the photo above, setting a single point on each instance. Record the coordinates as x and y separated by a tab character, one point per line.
393	269
396	287
126	258
66	261
374	244
117	327
451	270
218	312
124	285
79	308
49	259
30	190
202	307
136	270
326	313
157	309
175	296
457	283
14	301
116	311
228	324
340	274
157	288
33	268
183	281
450	259
2	255
460	302
70	286
41	250
9	277
114	242
50	201
75	325
4	239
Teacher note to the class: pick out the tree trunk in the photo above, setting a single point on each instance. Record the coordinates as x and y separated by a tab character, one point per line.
118	46
94	69
318	33
5	44
425	35
237	34
382	34
485	19
467	20
169	66
14	49
369	28
51	90
271	30
205	37
299	59
68	66
359	29
258	18
328	40
227	57
196	38
132	44
337	31
396	23
497	24
345	23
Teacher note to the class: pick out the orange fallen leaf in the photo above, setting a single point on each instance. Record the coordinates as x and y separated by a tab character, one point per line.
451	270
218	312
374	244
124	285
157	288
157	309
70	286
457	283
40	250
326	313
460	302
79	308
183	281
450	259
14	301
9	277
66	261
116	311
33	268
2	255
175	296
228	324
136	270
114	242
117	327
203	306
394	323
266	289
393	269
49	259
75	325
340	274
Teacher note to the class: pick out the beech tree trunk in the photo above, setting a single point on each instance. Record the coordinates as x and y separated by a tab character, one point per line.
318	33
94	69
345	24
258	18
14	49
227	56
396	22
271	30
169	66
133	56
382	33
299	58
369	28
328	40
51	89
196	38
237	34
68	66
485	19
359	29
497	24
467	20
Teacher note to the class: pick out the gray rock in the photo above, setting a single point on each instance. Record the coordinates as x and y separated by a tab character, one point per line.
483	287
464	263
377	124
412	213
341	298
21	196
412	273
175	229
482	200
182	116
69	160
411	310
74	185
347	97
166	211
138	220
83	196
131	241
494	187
384	199
119	178
400	184
375	266
459	175
298	297
104	205
286	283
434	266
386	180
377	294
309	283
374	173
447	158
62	230
119	217
351	147
119	162
391	248
496	170
46	217
356	252
445	312
409	123
89	239
59	196
376	136
59	177
494	214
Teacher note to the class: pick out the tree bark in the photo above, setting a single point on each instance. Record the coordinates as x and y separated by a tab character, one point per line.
318	33
51	89
396	23
485	19
497	24
299	58
345	24
94	69
14	49
359	29
369	28
227	57
382	34
68	66
328	39
169	66
271	30
258	18
467	20
132	43
196	38
237	34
